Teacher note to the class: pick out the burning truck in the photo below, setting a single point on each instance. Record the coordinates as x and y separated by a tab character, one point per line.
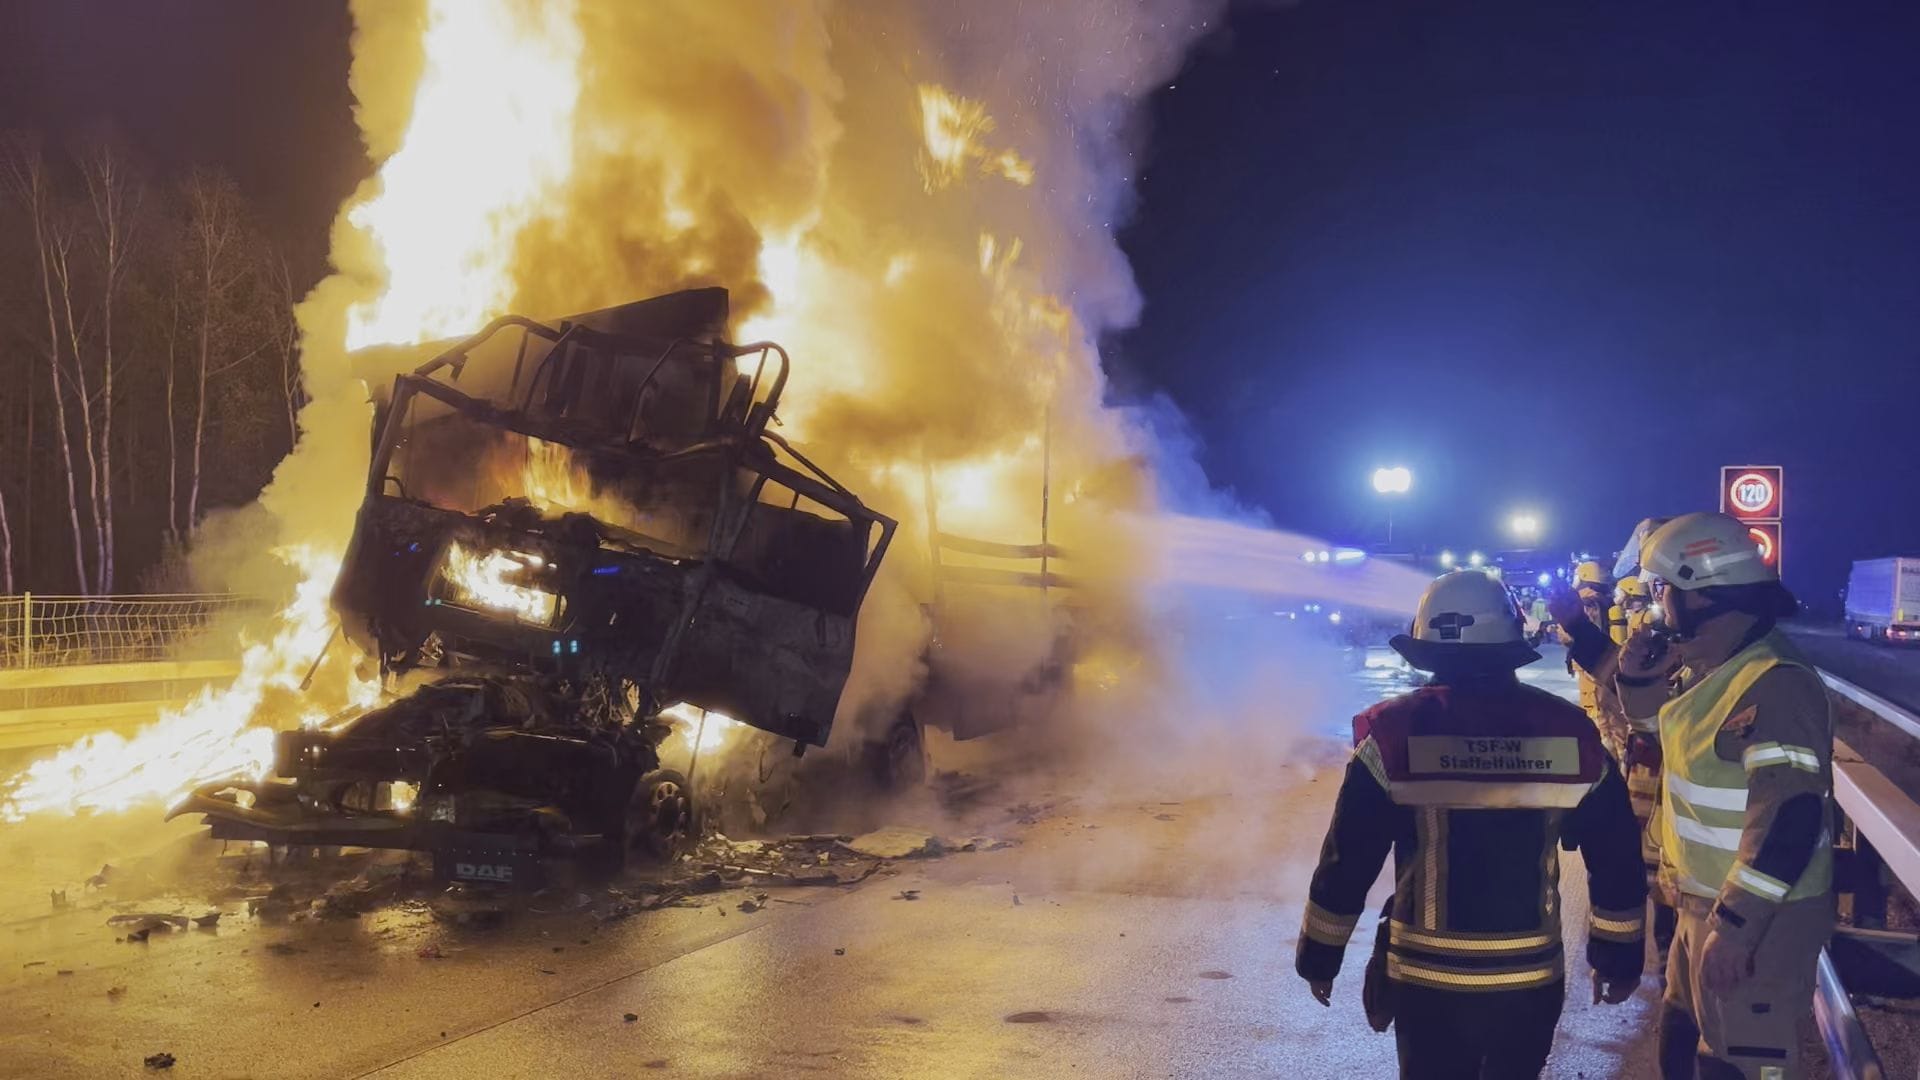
574	535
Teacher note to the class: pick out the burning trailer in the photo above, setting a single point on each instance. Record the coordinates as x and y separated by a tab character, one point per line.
571	534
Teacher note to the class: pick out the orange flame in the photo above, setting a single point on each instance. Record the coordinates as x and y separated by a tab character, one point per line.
483	579
488	141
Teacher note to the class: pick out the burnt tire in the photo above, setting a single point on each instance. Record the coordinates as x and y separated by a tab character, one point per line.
659	819
898	759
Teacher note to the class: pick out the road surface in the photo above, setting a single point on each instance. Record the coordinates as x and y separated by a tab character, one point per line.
1143	931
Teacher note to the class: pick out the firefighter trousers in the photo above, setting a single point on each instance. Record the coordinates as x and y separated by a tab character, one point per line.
1463	1035
1750	1030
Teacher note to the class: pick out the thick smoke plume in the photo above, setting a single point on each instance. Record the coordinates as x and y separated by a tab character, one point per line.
918	199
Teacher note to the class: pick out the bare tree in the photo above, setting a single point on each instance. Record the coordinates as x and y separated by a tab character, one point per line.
28	182
286	342
6	548
61	258
114	194
172	334
161	319
222	255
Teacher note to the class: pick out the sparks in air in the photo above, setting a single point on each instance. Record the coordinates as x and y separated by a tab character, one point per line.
953	129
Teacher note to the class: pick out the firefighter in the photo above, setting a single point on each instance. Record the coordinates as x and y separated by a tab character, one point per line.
1747	749
1630	594
1594	590
1472	782
1593	653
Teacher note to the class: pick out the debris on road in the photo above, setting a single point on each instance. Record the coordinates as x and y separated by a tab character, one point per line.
430	952
630	1017
161	1060
839	952
208	921
1035	1017
894	842
1027	813
958	791
470	908
145	922
116	992
907	894
754	903
99	880
1216	975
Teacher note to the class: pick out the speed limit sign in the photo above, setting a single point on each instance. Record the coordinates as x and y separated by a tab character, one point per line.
1756	494
1752	492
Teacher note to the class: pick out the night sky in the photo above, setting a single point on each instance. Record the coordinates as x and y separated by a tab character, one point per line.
1571	257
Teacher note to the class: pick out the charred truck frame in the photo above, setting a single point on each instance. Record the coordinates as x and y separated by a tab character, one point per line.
567	531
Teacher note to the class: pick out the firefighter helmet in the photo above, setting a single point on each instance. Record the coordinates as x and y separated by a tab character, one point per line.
1591	575
1466	619
1632	588
1698	551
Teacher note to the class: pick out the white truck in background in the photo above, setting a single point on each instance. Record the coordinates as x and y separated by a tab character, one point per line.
1883	600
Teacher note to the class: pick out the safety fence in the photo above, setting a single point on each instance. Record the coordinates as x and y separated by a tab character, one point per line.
75	665
1881	846
62	631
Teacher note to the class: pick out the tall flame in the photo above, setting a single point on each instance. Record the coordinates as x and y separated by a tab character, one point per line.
489	137
940	298
214	736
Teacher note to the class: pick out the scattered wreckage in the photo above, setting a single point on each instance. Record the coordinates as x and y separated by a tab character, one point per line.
570	532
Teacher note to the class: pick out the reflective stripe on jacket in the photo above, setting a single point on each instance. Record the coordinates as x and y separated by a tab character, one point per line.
1473	791
1706	795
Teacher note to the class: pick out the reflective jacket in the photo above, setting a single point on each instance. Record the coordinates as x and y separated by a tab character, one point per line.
1720	738
1471	787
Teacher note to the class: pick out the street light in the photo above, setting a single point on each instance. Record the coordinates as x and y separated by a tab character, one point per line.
1397	480
1446	560
1392	480
1524	526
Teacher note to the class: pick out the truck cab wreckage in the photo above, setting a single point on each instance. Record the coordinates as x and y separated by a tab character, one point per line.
570	530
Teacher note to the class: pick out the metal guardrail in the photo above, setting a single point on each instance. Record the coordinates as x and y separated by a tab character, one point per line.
1888	819
139	691
1873	703
1880	810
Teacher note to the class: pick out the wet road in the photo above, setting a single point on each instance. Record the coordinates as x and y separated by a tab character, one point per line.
1144	935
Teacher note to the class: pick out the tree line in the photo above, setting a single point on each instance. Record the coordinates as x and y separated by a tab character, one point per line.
148	363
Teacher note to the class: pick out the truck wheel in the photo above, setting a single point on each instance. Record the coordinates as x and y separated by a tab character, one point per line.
898	759
659	815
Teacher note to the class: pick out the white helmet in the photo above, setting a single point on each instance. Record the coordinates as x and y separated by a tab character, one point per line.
1466	617
1698	551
